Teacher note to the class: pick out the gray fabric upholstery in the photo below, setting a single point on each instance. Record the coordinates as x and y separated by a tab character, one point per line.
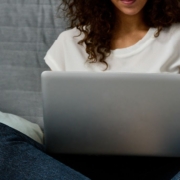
27	30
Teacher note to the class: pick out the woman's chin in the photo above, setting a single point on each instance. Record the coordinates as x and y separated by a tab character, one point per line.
129	12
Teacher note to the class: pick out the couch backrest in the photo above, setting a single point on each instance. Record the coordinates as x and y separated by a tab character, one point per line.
27	30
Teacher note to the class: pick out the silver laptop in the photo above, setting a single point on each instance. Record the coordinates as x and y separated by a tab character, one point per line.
111	113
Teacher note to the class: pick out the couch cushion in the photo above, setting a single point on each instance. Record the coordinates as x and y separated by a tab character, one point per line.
20	124
27	30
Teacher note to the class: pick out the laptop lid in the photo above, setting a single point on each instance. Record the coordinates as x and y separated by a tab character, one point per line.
111	113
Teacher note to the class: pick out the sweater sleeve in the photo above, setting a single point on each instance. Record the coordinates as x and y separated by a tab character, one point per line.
54	57
176	37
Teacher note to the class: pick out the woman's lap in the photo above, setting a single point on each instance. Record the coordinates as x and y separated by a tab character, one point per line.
23	158
123	167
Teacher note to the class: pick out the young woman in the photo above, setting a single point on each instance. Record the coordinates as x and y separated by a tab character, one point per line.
139	36
118	35
115	35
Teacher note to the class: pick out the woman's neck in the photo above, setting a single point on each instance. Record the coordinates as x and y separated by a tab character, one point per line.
128	31
127	24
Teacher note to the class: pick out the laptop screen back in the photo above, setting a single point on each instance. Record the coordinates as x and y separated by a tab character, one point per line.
111	113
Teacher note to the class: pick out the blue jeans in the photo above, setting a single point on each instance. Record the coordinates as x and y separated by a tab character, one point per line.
176	177
22	158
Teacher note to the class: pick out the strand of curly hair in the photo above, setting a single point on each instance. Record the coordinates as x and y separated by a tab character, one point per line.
96	19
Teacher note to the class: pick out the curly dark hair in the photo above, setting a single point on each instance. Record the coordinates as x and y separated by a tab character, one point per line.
99	18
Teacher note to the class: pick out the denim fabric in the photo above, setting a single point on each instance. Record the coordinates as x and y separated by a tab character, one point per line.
22	158
177	176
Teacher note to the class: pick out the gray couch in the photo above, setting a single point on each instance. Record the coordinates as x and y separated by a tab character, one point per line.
27	30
